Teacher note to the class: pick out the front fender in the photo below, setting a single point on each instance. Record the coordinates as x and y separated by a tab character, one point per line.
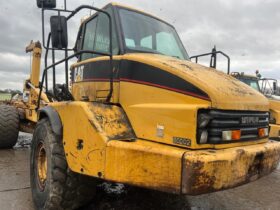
53	117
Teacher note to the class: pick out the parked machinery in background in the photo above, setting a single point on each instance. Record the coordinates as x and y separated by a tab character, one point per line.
266	86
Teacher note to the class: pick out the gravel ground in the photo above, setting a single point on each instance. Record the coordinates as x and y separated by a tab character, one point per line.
15	191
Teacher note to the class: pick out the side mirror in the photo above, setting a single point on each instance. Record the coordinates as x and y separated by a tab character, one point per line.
49	4
59	32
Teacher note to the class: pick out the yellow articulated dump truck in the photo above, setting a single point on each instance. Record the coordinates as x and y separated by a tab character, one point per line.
134	109
269	88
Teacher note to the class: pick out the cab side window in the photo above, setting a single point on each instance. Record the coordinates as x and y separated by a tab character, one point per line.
102	39
97	36
88	43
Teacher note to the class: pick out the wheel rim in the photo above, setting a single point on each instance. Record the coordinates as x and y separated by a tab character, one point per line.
41	166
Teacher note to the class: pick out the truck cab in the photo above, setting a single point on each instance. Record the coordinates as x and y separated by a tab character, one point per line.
154	79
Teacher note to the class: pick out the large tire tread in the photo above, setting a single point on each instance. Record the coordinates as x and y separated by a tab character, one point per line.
9	126
67	189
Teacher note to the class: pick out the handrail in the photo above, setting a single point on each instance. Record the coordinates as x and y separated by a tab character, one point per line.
61	61
214	52
73	13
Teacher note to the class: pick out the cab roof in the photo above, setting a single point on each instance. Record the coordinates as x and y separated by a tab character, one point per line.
116	4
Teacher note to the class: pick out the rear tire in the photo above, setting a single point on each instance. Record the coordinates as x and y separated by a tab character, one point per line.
9	126
54	186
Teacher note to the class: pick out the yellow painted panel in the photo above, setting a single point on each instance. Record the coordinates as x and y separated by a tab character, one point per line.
148	112
225	91
144	164
76	118
274	131
94	91
147	109
274	107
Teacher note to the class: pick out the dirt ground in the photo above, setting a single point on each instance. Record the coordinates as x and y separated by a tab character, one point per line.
15	191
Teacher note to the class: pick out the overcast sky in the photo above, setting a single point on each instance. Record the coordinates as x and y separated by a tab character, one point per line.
248	31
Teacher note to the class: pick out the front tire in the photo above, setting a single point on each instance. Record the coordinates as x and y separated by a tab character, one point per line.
54	186
9	126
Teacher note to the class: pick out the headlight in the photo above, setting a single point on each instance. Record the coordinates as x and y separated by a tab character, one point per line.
203	137
203	120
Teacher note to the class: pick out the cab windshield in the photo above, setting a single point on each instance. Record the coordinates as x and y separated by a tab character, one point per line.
146	34
252	83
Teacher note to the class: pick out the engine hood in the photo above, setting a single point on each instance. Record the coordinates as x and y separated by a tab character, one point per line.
224	91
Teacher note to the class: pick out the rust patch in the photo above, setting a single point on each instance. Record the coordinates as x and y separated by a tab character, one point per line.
257	167
205	173
195	180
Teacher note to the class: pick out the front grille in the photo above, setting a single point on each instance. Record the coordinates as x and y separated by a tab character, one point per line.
247	121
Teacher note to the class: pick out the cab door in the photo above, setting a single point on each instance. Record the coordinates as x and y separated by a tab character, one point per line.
91	74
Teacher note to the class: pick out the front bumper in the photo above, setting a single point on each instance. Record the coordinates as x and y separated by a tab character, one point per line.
207	171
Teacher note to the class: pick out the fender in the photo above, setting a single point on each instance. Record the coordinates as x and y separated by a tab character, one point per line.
54	118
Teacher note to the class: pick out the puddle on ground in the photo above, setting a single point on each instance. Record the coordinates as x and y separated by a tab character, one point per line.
121	197
24	140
